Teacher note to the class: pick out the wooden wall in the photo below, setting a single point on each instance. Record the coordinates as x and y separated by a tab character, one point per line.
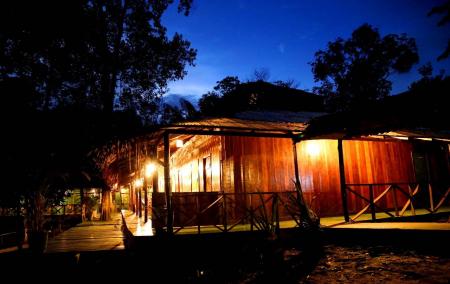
196	166
249	164
257	164
365	162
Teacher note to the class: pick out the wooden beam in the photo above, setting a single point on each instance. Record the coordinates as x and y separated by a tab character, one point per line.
342	181
167	187
139	202
253	133
297	176
145	186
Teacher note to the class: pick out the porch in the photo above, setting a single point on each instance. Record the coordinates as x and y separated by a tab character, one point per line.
219	212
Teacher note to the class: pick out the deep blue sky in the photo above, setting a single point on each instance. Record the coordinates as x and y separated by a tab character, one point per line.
235	37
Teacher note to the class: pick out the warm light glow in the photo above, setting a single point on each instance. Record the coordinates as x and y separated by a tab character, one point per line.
149	169
425	139
138	182
312	148
400	137
179	143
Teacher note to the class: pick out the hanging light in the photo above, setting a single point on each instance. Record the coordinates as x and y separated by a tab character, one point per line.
149	169
138	182
179	143
313	148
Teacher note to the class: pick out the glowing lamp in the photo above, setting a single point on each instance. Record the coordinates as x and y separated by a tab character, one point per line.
312	148
138	182
179	143
149	169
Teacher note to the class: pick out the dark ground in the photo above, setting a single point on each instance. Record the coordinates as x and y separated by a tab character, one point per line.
301	258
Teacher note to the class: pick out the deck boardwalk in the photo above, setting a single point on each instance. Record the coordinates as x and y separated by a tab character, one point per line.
89	236
441	226
136	225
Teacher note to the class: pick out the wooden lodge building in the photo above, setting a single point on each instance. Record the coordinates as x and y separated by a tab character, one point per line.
225	172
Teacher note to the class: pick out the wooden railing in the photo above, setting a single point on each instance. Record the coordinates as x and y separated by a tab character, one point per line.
409	191
64	209
226	211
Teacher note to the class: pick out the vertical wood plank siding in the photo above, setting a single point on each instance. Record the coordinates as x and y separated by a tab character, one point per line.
250	164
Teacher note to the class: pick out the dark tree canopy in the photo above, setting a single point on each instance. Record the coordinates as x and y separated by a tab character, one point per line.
95	54
355	72
230	96
75	75
445	10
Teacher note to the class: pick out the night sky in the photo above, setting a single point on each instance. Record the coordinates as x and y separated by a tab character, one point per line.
235	37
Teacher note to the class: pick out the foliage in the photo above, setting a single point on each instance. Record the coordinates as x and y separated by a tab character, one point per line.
212	102
303	214
429	96
354	73
265	220
93	54
443	9
231	96
261	74
74	75
290	83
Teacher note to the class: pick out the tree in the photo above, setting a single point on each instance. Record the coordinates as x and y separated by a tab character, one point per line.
211	103
355	72
290	83
99	54
442	9
81	65
261	74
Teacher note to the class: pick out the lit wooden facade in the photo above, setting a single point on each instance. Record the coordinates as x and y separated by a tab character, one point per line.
256	164
203	165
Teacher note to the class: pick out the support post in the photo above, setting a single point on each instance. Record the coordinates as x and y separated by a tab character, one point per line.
140	202
297	177
342	181
154	157
167	187
136	200
145	199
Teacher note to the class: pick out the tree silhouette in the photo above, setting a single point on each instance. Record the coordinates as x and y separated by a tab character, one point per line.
354	73
211	103
97	54
74	75
230	96
442	9
261	74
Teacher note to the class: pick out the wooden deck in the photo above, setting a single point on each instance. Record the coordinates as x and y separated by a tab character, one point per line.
89	236
137	226
398	226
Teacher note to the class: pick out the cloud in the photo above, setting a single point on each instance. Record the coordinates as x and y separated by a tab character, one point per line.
189	88
281	47
199	80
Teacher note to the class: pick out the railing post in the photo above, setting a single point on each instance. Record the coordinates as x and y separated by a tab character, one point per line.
430	192
198	213
394	196
277	217
413	211
225	226
372	205
251	213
